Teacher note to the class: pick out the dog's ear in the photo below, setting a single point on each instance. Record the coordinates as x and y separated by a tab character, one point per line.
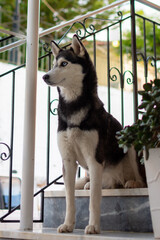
55	48
77	46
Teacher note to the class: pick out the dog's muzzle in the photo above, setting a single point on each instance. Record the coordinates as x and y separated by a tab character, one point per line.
46	78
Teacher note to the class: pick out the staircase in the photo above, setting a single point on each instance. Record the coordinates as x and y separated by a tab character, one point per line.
125	214
121	210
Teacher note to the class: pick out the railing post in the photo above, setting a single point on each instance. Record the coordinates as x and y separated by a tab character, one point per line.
134	59
27	189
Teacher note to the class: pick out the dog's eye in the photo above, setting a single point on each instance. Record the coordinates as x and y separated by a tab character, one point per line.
63	64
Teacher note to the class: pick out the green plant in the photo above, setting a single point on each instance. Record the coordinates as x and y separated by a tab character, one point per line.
145	133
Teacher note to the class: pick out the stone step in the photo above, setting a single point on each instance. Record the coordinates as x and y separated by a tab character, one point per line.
51	234
121	210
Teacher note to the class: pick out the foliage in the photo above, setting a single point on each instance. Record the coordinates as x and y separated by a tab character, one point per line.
60	10
145	133
140	38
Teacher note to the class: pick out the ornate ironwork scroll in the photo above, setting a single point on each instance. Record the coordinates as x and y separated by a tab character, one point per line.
115	77
84	30
129	80
5	155
146	60
46	47
53	110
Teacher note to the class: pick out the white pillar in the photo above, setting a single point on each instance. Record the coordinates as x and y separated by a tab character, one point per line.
27	188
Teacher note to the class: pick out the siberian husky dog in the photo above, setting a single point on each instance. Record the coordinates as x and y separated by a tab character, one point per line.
86	134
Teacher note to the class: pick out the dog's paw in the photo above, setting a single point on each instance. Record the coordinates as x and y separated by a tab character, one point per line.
87	186
64	228
134	184
92	229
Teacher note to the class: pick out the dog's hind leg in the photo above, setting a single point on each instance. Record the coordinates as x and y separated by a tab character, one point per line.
81	182
95	170
137	181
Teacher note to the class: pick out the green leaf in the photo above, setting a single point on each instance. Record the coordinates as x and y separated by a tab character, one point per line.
141	92
142	160
146	131
155	93
144	104
150	106
125	149
145	95
157	82
140	112
157	99
147	87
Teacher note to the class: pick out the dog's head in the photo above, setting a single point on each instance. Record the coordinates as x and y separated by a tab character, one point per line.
69	65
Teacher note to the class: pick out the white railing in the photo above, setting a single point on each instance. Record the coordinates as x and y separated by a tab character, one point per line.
13	33
67	23
64	24
79	18
150	4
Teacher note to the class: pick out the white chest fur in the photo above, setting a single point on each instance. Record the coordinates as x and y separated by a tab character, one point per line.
78	145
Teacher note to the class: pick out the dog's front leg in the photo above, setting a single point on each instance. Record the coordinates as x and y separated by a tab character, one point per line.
69	172
95	171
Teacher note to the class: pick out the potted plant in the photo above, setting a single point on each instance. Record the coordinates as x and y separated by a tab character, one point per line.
144	135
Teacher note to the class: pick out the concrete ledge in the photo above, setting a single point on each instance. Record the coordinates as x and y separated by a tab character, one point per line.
105	192
121	209
51	234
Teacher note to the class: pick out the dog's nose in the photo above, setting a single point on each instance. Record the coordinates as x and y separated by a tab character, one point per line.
46	77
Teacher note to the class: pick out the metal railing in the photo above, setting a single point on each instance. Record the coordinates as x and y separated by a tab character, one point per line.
17	55
114	74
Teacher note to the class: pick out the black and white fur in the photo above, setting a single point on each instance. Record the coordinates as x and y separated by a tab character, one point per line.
86	134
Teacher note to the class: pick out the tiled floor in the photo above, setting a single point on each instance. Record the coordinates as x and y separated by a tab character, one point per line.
51	234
